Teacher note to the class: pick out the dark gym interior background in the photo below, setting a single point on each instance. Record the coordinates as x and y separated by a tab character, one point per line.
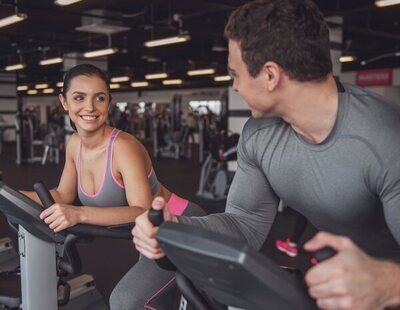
365	40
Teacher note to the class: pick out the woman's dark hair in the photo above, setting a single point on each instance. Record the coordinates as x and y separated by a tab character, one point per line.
83	69
292	33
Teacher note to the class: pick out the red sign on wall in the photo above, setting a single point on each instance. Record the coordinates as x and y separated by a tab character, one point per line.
378	77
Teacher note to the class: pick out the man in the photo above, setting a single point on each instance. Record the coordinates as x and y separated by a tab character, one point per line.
330	151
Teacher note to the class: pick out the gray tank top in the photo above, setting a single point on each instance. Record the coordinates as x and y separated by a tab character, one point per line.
111	192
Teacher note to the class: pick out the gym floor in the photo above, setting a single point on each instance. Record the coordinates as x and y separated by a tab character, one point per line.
108	260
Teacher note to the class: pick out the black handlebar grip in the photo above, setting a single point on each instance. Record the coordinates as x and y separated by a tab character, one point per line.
44	194
323	254
156	217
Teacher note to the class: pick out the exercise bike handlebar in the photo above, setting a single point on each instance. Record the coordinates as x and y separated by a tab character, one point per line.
116	232
156	217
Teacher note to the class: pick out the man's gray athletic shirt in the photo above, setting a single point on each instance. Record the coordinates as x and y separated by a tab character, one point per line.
348	185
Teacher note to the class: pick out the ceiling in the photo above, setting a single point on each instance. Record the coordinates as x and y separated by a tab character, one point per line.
49	31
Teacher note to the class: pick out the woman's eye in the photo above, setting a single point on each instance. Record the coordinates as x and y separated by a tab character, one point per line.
101	98
78	98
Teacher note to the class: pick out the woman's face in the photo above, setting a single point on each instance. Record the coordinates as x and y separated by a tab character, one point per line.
87	102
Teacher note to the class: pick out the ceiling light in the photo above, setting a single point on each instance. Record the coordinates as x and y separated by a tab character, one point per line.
22	87
118	79
41	86
15	67
98	53
115	86
48	91
383	3
222	78
60	84
201	72
166	41
65	2
140	84
51	61
154	76
32	92
12	19
172	82
347	58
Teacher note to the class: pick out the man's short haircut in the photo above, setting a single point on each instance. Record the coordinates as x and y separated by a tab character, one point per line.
292	33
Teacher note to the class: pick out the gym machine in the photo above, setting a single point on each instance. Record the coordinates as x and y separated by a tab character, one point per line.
214	271
215	178
46	256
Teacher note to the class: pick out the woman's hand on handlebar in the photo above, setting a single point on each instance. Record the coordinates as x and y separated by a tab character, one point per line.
144	233
61	216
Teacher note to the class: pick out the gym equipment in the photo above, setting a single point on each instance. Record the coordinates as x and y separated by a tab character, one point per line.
25	141
216	270
214	177
83	294
170	144
45	255
8	256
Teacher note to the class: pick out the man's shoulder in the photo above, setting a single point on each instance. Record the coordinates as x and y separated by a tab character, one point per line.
256	125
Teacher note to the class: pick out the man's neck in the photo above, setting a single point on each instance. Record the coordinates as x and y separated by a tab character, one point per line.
311	108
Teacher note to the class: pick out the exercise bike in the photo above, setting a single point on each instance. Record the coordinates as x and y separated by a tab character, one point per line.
46	257
216	271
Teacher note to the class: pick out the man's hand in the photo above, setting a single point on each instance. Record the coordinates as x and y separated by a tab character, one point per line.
60	216
144	233
351	279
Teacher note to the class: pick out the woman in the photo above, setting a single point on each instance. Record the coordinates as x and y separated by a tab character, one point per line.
112	174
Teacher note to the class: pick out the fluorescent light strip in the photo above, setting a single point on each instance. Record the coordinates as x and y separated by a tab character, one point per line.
166	41
222	78
48	91
22	87
140	84
155	76
41	86
12	19
383	3
172	82
65	2
118	79
115	86
15	67
51	61
32	92
98	53
347	58
60	84
201	72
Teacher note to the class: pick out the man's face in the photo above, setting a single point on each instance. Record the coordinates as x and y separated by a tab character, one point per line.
252	90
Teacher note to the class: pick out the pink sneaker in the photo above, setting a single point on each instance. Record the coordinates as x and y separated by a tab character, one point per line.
287	247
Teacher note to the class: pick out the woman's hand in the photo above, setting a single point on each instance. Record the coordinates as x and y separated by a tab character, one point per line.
61	216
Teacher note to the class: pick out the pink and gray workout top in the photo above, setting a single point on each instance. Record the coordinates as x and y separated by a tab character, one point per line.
111	191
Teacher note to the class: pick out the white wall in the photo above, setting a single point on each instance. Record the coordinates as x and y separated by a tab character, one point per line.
391	93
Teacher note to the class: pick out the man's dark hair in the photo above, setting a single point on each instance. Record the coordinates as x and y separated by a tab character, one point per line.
292	33
87	70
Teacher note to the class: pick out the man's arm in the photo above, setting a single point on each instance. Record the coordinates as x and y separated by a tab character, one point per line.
250	209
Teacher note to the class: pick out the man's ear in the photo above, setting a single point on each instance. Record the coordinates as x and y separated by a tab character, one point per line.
272	75
63	102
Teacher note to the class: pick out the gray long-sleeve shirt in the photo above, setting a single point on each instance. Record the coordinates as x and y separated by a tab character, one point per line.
348	185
